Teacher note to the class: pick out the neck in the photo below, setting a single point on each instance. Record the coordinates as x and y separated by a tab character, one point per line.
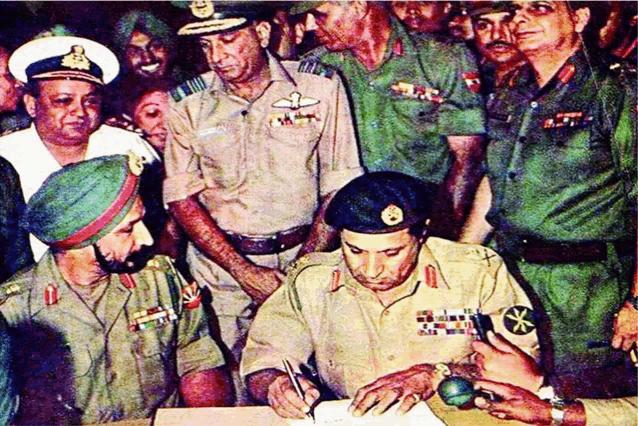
252	88
503	69
79	266
375	33
66	154
548	62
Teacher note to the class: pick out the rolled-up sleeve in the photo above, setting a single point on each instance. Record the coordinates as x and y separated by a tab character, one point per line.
183	175
611	412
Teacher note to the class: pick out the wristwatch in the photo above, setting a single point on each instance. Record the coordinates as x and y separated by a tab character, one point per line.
546	393
632	299
559	407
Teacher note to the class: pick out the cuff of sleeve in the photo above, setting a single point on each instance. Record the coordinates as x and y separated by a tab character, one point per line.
335	180
462	122
201	354
182	186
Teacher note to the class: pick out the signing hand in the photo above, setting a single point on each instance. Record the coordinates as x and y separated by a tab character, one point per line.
285	401
259	282
518	403
501	361
412	385
625	328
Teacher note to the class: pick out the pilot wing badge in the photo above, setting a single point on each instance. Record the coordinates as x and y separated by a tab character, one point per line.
295	101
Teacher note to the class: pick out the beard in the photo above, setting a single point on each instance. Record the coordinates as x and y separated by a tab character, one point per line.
133	262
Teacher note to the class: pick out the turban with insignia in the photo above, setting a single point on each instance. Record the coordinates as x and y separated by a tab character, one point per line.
380	202
82	202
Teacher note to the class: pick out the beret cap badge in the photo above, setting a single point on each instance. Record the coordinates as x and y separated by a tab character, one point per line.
392	215
202	9
76	59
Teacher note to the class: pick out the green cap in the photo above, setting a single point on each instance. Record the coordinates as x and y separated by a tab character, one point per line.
380	202
82	202
304	6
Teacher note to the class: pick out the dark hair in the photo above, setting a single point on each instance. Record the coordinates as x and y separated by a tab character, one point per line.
598	14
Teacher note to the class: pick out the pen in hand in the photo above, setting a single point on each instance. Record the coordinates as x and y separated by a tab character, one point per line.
297	386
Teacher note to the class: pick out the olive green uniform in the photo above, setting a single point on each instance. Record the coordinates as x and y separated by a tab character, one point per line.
424	90
147	331
562	166
323	310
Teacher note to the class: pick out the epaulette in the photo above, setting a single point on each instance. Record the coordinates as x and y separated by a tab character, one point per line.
304	262
187	88
12	288
313	66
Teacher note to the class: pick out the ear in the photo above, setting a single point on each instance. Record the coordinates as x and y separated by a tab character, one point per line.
263	33
29	103
581	19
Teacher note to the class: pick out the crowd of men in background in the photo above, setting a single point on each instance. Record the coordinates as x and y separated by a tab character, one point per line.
356	177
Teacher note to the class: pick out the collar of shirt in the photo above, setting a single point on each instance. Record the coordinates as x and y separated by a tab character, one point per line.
277	73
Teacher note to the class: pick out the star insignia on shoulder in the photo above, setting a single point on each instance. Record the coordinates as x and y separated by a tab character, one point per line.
518	320
295	101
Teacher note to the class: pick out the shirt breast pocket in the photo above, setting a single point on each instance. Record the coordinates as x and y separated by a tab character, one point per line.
154	363
223	159
414	115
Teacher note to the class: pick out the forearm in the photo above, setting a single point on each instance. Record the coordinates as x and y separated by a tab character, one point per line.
476	228
208	388
207	236
322	237
464	176
258	383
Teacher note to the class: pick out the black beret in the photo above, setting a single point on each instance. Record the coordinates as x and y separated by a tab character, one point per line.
380	202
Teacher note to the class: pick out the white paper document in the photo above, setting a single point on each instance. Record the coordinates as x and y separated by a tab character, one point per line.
335	413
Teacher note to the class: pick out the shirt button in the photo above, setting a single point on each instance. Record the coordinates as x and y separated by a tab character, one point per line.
386	313
391	358
534	104
110	376
511	175
371	84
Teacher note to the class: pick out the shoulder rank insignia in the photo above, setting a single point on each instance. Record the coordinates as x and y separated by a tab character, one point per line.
336	280
187	88
295	101
192	296
518	320
51	294
472	81
315	67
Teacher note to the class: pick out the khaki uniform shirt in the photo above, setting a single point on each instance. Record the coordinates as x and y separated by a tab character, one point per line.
323	310
260	167
128	361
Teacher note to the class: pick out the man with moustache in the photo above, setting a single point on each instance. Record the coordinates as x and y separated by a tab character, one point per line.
562	167
494	41
387	316
135	333
256	149
64	78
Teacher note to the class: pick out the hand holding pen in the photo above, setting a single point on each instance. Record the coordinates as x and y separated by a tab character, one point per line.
292	401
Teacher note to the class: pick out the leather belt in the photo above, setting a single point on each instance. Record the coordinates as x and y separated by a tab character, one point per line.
534	250
269	244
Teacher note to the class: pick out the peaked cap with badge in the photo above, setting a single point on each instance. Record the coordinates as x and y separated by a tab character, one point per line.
203	17
64	57
380	202
82	202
